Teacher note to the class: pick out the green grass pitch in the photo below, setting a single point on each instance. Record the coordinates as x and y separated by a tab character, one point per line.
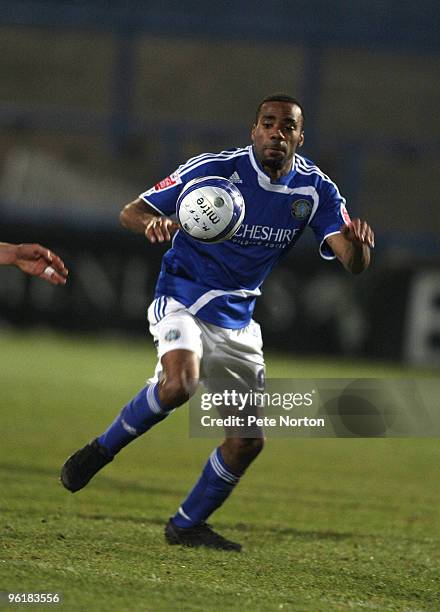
326	524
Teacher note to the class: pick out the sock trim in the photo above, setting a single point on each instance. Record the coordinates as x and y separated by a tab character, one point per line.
128	428
182	512
152	401
222	472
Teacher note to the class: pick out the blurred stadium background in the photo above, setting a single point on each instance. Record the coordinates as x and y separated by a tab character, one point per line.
100	100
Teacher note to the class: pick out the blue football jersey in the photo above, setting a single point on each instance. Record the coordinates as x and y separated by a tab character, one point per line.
219	283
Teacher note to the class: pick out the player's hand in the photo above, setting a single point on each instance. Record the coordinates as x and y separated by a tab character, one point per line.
358	231
38	261
159	229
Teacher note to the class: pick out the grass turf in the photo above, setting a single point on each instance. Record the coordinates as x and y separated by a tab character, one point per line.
326	524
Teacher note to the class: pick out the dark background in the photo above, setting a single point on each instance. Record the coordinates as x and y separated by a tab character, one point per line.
100	100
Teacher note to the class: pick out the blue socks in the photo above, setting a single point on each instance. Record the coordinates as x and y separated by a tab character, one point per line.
137	417
213	487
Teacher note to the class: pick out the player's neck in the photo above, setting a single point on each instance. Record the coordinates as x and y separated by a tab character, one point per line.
276	174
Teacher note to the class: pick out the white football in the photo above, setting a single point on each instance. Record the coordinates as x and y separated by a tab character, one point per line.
210	209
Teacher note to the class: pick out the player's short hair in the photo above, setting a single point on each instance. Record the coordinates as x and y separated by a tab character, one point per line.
279	97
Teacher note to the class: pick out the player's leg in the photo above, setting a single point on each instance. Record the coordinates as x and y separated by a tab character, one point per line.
219	478
180	377
236	361
238	453
179	351
178	380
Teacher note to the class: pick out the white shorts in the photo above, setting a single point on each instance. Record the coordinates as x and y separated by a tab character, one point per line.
226	355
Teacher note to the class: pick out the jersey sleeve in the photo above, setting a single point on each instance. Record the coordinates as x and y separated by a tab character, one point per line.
163	196
330	215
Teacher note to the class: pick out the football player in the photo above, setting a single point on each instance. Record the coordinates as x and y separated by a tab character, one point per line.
201	316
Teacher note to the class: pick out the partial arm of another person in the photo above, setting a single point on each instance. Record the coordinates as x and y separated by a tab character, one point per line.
140	218
35	260
352	245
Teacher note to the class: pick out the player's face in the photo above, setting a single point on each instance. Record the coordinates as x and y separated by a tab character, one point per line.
277	135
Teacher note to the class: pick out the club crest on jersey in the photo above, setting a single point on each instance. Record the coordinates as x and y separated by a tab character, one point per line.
301	209
173	334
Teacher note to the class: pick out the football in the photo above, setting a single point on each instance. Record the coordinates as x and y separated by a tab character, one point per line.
210	209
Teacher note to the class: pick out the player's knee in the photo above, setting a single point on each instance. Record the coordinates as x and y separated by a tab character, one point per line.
176	390
180	378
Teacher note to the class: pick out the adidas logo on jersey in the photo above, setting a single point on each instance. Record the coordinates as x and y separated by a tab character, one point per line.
235	178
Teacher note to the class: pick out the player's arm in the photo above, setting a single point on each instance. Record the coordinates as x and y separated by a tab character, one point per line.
35	260
352	245
139	217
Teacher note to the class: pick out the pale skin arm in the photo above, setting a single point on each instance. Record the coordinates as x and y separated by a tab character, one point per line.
140	218
352	245
35	260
